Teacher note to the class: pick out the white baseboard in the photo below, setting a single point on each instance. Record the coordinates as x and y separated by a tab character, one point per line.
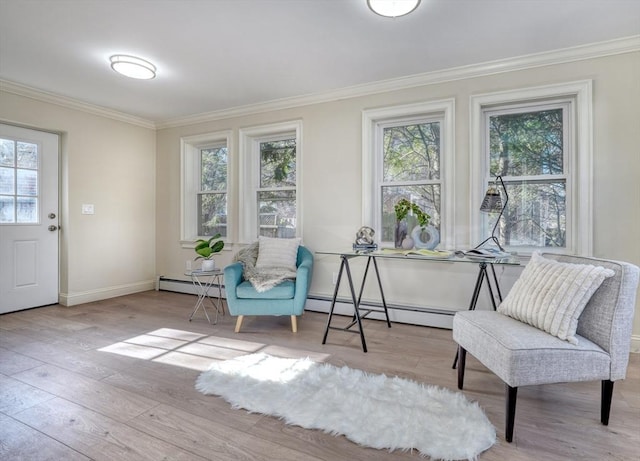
73	299
431	317
185	286
424	316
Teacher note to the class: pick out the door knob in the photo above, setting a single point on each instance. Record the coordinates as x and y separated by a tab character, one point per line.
53	228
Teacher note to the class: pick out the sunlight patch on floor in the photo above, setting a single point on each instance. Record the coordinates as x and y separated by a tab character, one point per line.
246	346
196	351
193	362
134	350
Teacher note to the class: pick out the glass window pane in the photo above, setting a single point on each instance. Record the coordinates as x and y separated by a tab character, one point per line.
411	152
7	152
7	181
526	144
277	214
536	215
7	209
27	155
27	210
213	166
212	214
426	197
278	163
27	182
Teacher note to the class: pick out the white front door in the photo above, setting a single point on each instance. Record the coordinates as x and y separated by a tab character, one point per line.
28	218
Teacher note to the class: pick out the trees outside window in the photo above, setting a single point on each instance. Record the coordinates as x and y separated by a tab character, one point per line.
527	149
212	197
270	193
408	152
410	170
276	195
205	184
539	141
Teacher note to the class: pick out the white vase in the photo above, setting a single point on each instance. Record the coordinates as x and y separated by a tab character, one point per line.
427	237
407	243
208	265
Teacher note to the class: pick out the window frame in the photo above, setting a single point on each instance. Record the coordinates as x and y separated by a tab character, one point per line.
578	158
190	148
373	123
249	180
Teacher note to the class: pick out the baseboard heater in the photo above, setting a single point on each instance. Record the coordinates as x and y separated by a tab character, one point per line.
414	315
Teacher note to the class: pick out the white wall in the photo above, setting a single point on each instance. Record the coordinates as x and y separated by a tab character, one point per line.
332	176
110	164
131	173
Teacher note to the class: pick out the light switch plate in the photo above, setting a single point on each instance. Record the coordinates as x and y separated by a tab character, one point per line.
87	208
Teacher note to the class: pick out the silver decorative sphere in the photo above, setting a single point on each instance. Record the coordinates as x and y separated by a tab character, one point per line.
364	236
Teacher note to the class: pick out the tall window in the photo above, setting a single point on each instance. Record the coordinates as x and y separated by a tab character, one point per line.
270	183
408	153
276	193
539	141
527	147
212	197
205	197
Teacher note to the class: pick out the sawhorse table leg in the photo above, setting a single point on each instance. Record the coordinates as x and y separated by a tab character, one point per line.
357	318
483	276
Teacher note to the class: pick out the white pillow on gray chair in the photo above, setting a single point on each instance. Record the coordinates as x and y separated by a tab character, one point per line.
551	295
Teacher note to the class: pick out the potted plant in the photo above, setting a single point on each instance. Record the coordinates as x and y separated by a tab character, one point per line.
206	249
402	209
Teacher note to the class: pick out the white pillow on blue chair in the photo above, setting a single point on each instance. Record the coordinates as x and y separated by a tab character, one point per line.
275	252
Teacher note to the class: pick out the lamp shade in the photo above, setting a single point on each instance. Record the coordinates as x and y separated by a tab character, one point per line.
393	8
492	202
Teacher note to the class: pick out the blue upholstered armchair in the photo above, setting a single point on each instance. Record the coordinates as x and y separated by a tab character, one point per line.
286	298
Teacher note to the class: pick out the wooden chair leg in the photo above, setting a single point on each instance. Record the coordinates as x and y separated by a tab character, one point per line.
607	394
239	323
512	394
462	356
294	324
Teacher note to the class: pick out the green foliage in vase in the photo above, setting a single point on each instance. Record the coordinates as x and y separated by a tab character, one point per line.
403	207
207	248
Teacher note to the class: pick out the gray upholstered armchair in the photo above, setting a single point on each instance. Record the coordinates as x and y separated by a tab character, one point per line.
522	355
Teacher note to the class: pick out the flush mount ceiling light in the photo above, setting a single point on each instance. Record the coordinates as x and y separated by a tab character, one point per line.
393	8
133	67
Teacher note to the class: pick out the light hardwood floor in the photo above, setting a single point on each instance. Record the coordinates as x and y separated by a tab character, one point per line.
114	380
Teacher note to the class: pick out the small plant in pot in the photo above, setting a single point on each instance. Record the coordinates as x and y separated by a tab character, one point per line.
206	249
402	209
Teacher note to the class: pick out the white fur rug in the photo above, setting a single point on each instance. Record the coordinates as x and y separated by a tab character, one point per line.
371	410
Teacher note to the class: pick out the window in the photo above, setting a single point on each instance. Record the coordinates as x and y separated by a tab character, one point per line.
276	193
212	196
270	191
18	182
205	172
408	153
530	139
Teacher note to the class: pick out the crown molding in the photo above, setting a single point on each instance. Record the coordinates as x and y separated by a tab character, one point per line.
561	56
70	103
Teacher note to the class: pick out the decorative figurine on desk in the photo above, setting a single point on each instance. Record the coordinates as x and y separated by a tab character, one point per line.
364	239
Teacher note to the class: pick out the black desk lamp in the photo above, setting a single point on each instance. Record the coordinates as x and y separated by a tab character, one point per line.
492	203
